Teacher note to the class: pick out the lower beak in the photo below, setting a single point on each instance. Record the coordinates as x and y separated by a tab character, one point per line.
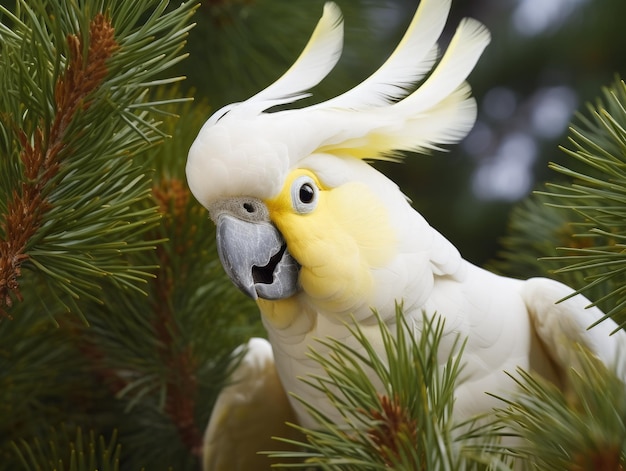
256	259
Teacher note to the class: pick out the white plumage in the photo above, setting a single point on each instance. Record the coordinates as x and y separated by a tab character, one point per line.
239	427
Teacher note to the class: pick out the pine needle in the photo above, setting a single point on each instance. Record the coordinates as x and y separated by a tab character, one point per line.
77	94
406	425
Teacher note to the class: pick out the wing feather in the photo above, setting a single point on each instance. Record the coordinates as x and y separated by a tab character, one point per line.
247	414
561	321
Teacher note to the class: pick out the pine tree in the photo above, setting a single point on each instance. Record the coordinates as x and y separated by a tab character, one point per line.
113	305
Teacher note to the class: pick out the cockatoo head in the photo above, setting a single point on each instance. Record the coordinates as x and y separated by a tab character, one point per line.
300	215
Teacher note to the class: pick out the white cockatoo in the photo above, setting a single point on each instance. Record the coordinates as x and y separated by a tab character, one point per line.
319	238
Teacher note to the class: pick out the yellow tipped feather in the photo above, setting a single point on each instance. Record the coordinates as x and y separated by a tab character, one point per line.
314	63
440	111
467	45
413	58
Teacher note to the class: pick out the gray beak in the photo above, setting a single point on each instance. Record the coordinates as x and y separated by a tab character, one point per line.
255	256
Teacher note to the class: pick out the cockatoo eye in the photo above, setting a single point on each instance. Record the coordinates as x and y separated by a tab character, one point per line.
304	194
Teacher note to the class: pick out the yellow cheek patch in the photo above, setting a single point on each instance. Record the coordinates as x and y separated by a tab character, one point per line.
338	243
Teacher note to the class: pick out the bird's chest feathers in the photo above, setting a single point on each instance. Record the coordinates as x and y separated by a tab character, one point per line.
337	245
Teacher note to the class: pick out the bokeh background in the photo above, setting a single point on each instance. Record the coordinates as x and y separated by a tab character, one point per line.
547	59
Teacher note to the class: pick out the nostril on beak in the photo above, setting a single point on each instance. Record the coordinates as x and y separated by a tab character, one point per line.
246	208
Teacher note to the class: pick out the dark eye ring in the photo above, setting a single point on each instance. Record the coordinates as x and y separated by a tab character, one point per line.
304	193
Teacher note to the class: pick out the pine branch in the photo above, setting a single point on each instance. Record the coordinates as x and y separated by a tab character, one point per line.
597	193
536	228
163	356
83	453
78	113
24	211
579	430
409	424
148	366
575	231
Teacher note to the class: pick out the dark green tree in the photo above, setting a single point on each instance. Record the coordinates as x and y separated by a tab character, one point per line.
114	313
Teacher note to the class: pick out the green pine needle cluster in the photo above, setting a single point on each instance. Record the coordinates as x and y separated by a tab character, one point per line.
575	230
583	428
598	194
76	120
409	425
397	406
81	452
117	319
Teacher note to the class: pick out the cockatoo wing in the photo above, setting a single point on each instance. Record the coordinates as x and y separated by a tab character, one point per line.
562	324
251	410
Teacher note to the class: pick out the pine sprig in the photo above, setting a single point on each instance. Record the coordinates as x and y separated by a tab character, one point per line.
164	354
147	365
597	198
41	153
536	229
408	425
83	452
581	429
78	113
575	230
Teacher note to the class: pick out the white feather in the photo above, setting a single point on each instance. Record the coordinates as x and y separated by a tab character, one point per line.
314	63
563	323
414	56
468	43
247	413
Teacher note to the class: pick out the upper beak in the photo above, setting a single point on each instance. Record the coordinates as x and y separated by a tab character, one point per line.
255	257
